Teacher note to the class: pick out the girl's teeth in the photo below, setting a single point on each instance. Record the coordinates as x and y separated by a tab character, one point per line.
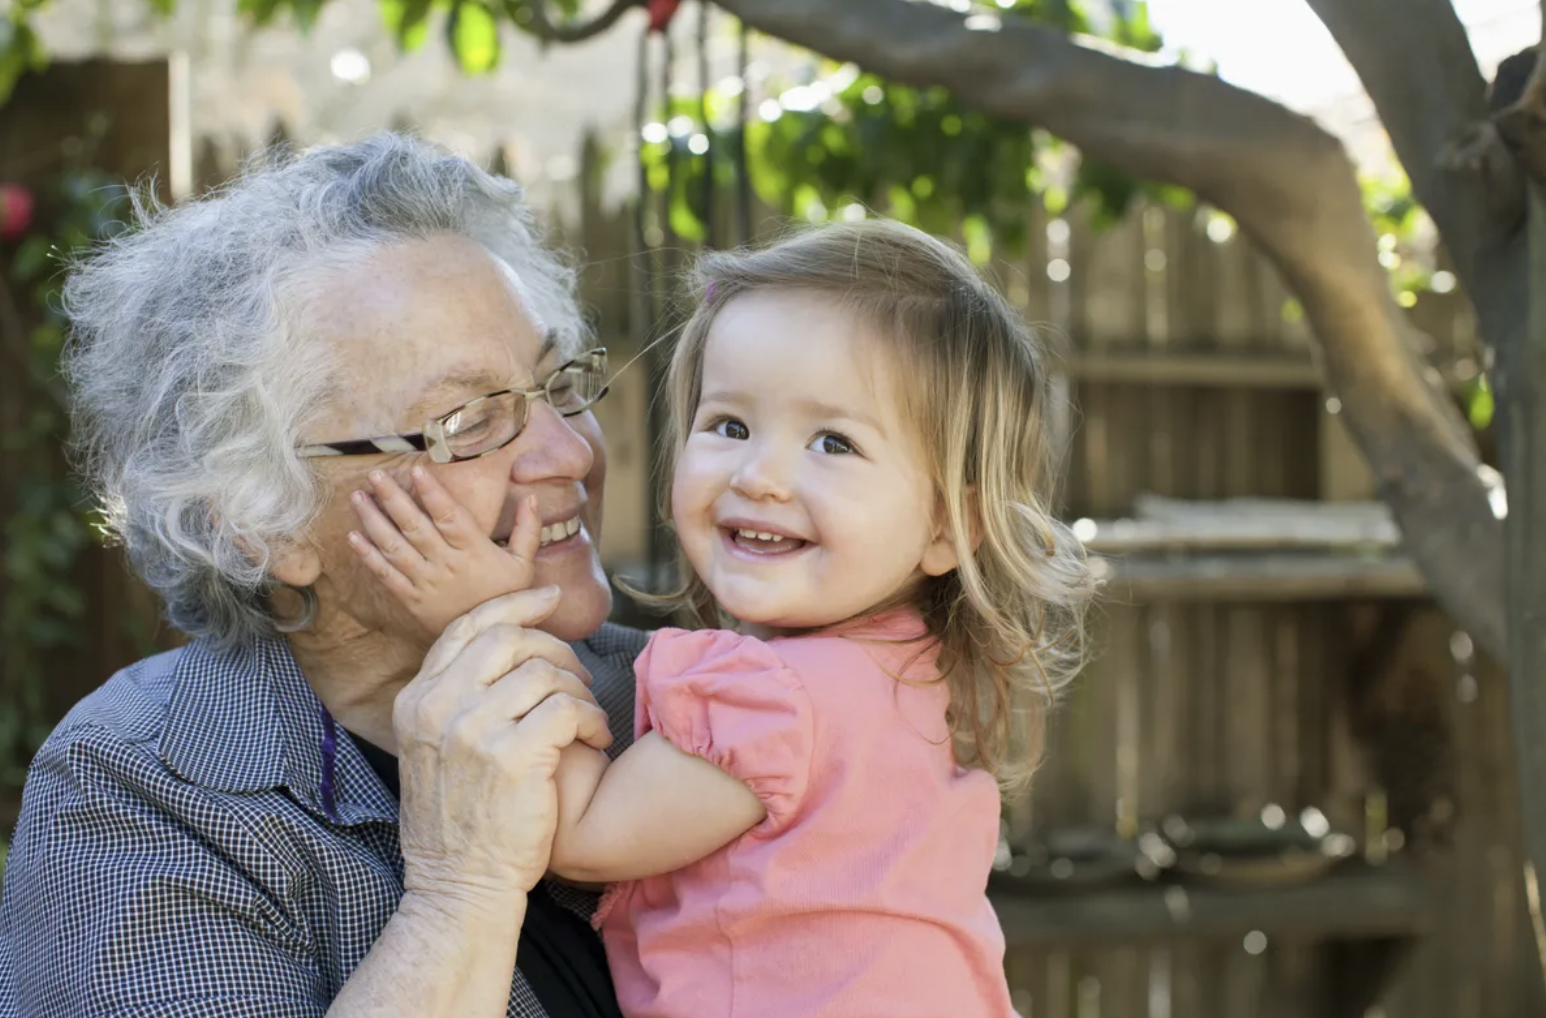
759	535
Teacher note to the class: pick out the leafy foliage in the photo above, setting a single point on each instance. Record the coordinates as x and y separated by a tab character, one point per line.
40	608
20	49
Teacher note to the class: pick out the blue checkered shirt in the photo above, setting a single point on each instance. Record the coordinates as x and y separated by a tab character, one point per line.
174	857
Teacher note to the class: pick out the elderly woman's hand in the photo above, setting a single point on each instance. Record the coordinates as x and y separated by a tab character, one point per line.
479	733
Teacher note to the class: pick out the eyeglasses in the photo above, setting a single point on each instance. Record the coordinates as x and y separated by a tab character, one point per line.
488	423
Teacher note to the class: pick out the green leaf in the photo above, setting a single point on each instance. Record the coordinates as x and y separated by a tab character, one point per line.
32	258
474	36
405	19
260	12
1480	405
305	12
1136	32
20	51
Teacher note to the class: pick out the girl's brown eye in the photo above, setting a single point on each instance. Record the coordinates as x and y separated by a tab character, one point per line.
732	428
833	444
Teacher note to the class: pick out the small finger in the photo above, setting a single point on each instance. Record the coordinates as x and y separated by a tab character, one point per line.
526	537
391	577
450	517
384	534
416	527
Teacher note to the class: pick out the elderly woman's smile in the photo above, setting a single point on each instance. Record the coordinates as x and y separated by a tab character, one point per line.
420	328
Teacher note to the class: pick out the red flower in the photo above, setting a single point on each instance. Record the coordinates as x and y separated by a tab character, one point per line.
15	211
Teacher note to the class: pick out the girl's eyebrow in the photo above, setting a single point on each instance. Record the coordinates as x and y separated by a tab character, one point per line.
820	409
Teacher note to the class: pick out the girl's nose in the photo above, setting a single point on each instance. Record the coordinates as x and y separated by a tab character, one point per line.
761	475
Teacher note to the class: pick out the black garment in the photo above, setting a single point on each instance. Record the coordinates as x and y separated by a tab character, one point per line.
560	956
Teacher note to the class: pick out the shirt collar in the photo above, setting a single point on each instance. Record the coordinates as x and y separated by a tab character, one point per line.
245	719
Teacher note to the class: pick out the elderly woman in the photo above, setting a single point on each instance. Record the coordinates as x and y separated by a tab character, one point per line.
316	807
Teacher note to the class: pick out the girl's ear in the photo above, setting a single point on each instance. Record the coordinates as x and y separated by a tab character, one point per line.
943	554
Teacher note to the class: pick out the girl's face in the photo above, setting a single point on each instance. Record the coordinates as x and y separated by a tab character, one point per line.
801	496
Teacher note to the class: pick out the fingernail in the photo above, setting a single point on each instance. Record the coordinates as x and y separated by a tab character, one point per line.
358	497
548	593
377	477
419	473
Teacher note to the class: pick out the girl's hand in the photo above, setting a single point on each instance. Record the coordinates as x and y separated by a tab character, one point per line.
435	559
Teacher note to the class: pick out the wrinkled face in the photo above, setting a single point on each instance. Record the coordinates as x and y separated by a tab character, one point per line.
420	328
801	497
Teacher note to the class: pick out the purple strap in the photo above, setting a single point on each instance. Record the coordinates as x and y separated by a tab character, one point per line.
329	765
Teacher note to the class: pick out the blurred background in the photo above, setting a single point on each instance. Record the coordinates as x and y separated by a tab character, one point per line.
1284	787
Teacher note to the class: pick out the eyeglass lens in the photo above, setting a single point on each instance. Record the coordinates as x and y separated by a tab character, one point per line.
486	424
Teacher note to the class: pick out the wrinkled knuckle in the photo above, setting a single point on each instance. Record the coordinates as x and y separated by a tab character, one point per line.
426	715
564	707
463	626
506	632
541	670
464	738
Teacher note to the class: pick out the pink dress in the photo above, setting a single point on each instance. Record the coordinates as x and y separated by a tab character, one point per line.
863	893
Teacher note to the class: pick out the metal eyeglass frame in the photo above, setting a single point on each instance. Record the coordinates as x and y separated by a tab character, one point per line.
433	438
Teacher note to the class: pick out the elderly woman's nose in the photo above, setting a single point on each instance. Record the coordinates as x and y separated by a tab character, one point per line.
548	447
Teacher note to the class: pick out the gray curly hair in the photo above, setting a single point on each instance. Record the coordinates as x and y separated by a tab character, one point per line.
192	372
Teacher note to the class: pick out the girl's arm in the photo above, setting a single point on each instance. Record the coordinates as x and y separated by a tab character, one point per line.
654	810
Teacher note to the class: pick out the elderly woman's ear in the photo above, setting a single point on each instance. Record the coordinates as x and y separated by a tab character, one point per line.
291	561
295	562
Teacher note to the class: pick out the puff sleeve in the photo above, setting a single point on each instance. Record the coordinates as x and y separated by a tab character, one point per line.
731	700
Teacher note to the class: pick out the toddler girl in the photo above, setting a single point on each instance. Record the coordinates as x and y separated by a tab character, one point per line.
806	821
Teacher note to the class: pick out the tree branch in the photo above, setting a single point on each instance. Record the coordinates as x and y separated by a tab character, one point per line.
1285	180
537	22
1522	120
1415	61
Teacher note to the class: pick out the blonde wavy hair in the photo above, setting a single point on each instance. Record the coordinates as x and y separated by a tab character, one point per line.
1009	621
